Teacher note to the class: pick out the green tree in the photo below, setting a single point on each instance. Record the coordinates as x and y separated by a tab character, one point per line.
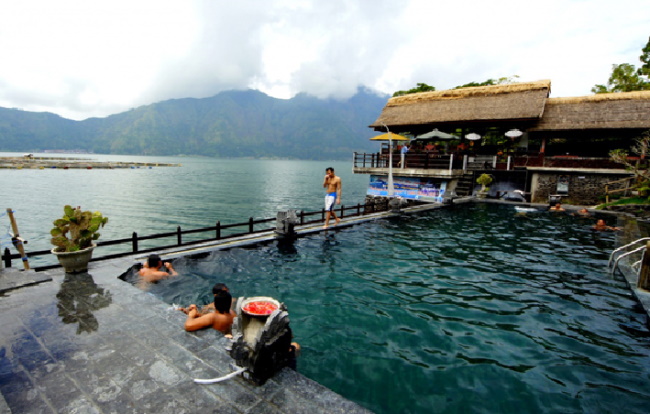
421	87
644	70
624	78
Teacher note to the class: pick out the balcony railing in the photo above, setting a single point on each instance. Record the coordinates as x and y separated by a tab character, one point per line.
473	162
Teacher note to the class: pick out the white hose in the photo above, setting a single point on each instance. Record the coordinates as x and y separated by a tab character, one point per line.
225	377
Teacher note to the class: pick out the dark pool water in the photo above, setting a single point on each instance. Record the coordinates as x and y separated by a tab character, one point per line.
467	309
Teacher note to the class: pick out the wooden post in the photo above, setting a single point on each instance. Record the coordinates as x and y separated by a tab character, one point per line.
644	274
218	230
179	238
250	224
17	240
7	257
134	242
606	193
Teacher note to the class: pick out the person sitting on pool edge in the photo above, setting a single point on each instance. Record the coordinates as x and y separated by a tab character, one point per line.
221	319
151	272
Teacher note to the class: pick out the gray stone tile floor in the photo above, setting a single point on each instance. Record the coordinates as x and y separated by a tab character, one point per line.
91	343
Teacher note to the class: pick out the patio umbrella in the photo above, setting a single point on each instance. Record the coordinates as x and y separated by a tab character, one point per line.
514	133
388	137
437	134
473	136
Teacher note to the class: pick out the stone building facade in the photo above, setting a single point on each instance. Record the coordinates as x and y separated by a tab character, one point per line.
576	186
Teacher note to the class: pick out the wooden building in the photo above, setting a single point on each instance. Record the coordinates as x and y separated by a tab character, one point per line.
563	143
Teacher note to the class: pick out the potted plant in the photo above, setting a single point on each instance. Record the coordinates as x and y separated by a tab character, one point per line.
484	180
73	236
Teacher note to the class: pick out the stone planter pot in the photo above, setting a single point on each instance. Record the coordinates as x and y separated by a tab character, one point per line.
75	262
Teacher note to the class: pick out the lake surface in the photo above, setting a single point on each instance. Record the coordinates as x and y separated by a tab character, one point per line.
157	200
466	309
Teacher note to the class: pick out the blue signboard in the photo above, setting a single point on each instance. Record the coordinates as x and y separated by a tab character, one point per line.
414	188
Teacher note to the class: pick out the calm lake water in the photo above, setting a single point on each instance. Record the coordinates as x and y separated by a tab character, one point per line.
467	309
157	200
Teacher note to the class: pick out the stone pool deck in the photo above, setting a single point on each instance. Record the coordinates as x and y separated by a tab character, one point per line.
91	343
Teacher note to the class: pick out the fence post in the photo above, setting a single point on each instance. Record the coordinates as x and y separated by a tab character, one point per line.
134	242
250	224
302	217
358	209
7	257
179	236
218	227
343	208
606	193
644	274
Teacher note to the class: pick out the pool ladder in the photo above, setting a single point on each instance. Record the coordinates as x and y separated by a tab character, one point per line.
636	265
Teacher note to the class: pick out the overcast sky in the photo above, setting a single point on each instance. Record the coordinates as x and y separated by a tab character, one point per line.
88	58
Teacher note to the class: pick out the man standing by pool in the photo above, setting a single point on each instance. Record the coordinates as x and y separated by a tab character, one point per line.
332	183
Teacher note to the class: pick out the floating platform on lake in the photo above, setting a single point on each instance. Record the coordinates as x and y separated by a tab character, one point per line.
43	163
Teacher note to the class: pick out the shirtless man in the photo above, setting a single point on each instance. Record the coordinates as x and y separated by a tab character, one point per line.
600	225
151	272
333	185
221	319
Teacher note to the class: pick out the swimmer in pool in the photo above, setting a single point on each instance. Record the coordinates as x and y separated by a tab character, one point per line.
221	319
600	225
218	287
557	207
151	270
582	213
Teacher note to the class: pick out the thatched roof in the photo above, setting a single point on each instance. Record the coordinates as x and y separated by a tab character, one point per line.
515	102
625	110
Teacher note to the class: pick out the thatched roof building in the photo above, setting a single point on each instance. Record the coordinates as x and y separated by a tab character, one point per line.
517	103
526	106
609	111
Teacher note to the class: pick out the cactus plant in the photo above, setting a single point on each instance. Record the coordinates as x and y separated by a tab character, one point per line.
76	230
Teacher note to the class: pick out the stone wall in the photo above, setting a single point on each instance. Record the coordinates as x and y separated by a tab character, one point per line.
584	188
374	204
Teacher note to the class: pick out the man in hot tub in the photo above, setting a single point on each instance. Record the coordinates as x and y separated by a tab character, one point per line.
221	319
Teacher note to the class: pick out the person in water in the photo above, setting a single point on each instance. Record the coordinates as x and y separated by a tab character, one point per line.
332	183
221	319
557	207
583	212
600	225
152	269
218	287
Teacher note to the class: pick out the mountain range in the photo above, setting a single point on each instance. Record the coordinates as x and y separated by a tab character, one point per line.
229	124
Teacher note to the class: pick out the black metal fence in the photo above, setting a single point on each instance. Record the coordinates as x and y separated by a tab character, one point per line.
249	227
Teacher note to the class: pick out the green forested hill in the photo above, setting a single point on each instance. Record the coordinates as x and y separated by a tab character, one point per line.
230	124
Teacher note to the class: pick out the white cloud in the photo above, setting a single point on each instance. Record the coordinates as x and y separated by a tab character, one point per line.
81	59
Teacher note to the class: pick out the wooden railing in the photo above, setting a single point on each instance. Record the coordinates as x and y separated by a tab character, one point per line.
625	190
412	160
250	227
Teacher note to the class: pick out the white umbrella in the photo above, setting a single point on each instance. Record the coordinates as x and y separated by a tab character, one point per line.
473	136
514	133
436	134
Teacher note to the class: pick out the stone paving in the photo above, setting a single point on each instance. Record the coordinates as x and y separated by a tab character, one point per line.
91	343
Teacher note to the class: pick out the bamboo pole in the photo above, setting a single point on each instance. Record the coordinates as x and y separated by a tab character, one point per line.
17	240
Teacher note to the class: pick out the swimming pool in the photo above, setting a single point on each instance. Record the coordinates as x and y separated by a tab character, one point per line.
468	309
